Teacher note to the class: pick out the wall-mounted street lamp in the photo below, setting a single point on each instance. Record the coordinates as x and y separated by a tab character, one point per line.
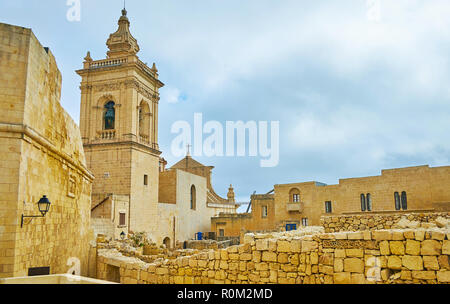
43	205
122	235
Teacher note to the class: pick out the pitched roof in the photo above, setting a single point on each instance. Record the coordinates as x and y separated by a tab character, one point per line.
187	163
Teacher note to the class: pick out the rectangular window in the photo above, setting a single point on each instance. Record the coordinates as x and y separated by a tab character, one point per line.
221	232
122	219
305	222
38	271
145	180
296	198
264	211
328	207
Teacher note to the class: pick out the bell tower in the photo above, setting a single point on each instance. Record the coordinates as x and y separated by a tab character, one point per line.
119	126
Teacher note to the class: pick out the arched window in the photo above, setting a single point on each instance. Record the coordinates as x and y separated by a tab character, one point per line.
144	120
193	198
369	202
294	196
398	205
404	201
363	203
109	116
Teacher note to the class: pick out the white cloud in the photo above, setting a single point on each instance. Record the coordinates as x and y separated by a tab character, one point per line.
171	94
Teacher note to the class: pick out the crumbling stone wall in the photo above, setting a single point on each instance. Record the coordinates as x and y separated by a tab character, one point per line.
302	257
378	221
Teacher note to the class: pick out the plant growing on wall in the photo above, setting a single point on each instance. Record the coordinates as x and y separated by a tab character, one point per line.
138	239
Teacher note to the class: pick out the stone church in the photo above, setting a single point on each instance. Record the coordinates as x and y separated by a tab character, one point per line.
132	190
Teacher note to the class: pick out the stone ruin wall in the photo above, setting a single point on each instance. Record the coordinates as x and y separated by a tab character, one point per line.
379	221
309	256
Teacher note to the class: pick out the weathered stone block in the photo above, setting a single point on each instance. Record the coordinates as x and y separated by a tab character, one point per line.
412	247
308	246
424	275
342	278
268	256
262	245
354	265
384	248
446	247
430	247
283	246
443	276
394	262
430	262
412	262
354	253
397	247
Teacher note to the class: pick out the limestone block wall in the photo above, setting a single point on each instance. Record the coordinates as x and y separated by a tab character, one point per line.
103	226
377	221
41	154
384	256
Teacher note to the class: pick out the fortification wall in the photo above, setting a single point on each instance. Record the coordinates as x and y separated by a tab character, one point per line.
301	257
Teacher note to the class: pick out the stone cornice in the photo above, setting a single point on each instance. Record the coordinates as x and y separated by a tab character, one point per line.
25	130
125	143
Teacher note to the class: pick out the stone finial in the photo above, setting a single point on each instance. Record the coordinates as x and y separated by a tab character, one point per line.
122	43
230	195
88	57
154	69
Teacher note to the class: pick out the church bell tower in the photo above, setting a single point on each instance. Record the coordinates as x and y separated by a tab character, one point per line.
119	126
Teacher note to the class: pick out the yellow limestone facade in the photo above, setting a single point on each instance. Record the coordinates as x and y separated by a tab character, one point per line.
119	127
41	153
421	189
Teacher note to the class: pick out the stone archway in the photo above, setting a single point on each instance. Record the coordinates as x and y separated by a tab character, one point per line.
167	242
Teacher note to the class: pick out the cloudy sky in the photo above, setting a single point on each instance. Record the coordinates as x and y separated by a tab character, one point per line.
352	95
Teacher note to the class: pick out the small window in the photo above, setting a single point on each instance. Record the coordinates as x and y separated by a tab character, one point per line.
221	232
363	202
145	180
264	211
193	198
294	196
304	222
369	202
398	204
328	207
404	201
38	271
122	219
